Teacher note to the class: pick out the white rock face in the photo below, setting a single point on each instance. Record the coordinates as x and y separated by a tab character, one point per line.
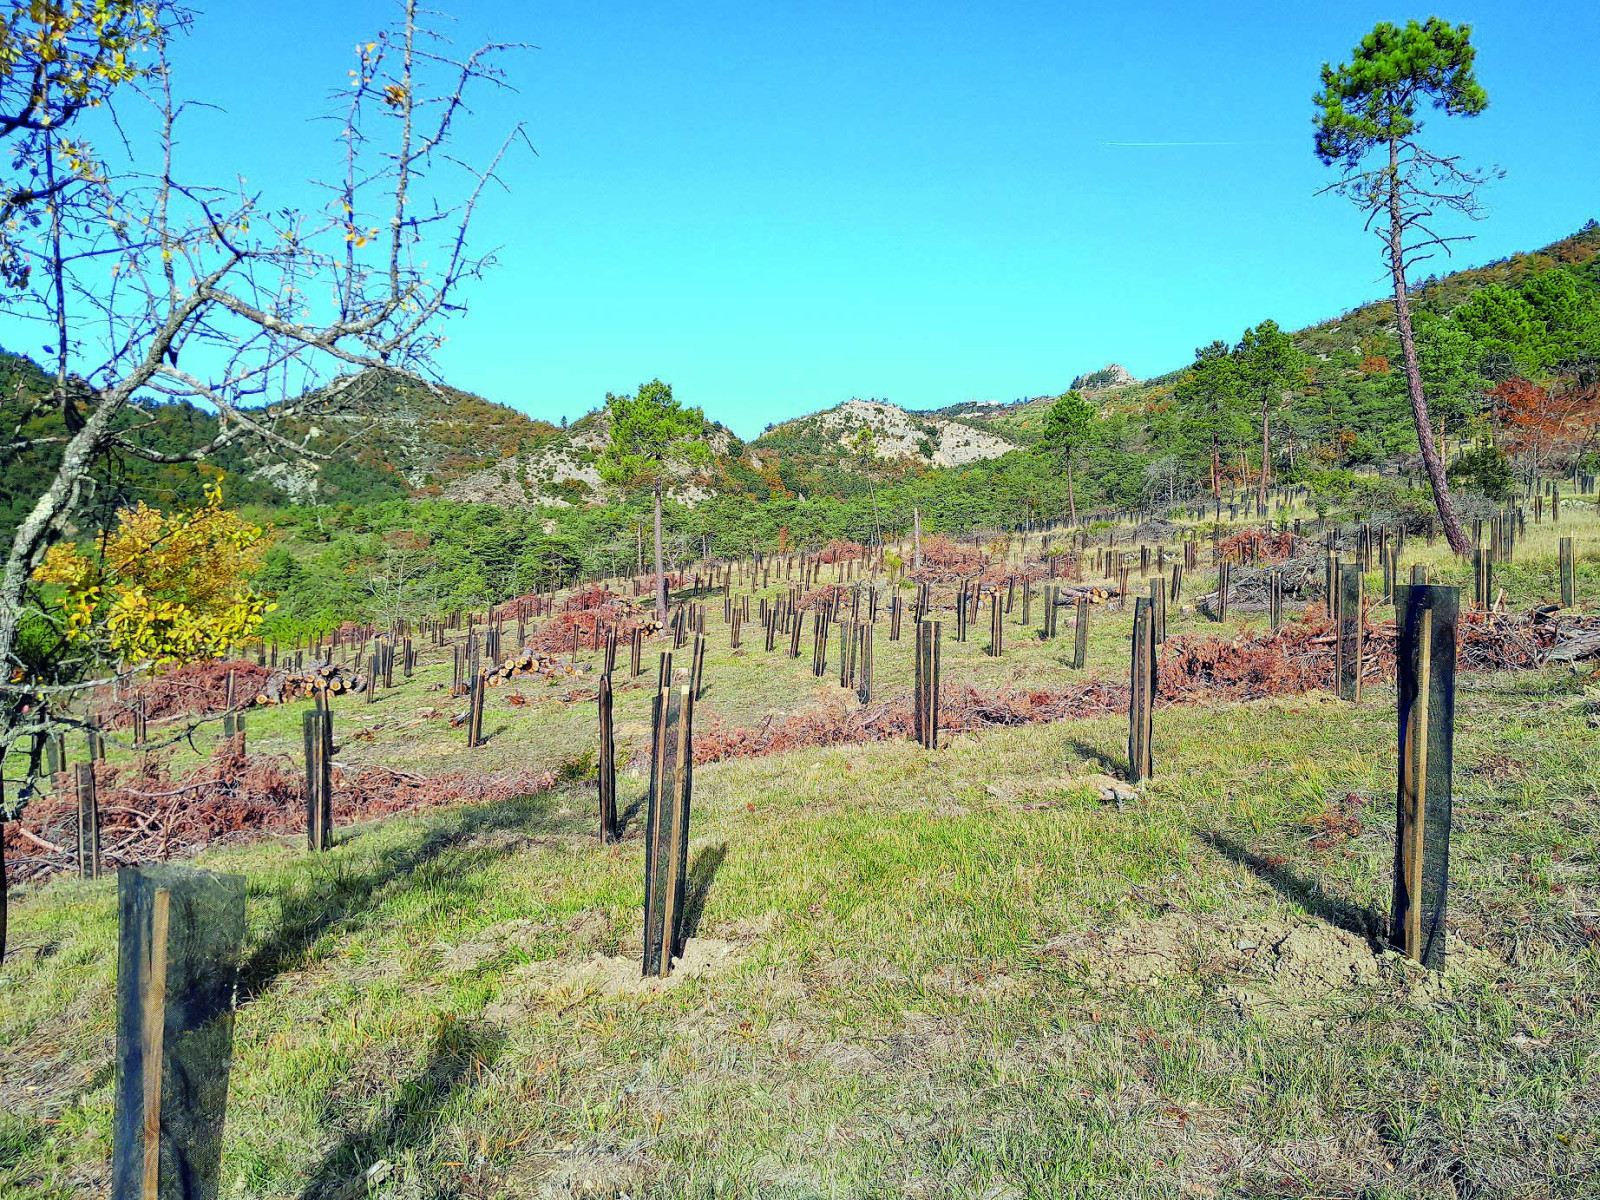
960	444
537	478
1110	376
898	434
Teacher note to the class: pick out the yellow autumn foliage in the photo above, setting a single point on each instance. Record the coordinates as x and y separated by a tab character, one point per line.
167	587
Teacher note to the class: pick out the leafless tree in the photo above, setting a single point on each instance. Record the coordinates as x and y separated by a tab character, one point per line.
155	283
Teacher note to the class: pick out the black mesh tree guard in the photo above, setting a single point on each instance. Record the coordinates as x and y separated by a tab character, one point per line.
1427	686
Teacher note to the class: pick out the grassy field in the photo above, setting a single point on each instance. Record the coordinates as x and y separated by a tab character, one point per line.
941	974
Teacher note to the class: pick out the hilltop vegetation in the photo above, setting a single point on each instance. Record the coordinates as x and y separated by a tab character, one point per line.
472	501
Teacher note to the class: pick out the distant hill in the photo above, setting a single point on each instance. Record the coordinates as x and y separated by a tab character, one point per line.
404	439
399	437
562	470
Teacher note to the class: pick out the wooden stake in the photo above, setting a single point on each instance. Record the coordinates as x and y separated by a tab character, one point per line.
153	1009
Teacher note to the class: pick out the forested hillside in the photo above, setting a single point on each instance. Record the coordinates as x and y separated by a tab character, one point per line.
453	499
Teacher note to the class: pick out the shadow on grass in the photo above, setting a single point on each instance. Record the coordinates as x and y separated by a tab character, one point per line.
338	891
627	817
458	1056
1345	914
702	873
1111	766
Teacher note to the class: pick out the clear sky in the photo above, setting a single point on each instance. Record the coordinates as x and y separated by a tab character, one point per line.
777	206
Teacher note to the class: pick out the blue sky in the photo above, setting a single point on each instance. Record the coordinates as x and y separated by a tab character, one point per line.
777	206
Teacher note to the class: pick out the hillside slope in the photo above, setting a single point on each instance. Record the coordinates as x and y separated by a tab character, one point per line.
562	470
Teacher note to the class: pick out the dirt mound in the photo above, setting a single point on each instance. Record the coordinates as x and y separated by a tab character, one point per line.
562	983
1294	962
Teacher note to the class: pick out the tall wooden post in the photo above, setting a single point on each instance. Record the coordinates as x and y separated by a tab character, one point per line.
608	764
864	671
317	729
1567	573
1426	662
179	936
1141	692
697	664
88	822
925	695
1080	635
475	712
667	828
996	626
1348	646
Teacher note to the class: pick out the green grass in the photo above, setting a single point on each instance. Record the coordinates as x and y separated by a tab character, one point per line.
944	975
888	1017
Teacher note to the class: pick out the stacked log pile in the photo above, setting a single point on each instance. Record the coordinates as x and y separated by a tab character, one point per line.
319	679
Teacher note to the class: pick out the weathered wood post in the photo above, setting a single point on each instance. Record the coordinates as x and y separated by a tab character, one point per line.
635	653
608	763
864	671
1224	582
925	692
88	822
996	627
697	664
475	712
233	730
1348	644
1158	609
1427	665
1275	598
667	828
1141	692
1567	573
179	936
894	618
316	726
1080	634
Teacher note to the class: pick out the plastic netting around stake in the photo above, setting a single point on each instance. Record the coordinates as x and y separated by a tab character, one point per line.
179	938
1426	703
667	827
